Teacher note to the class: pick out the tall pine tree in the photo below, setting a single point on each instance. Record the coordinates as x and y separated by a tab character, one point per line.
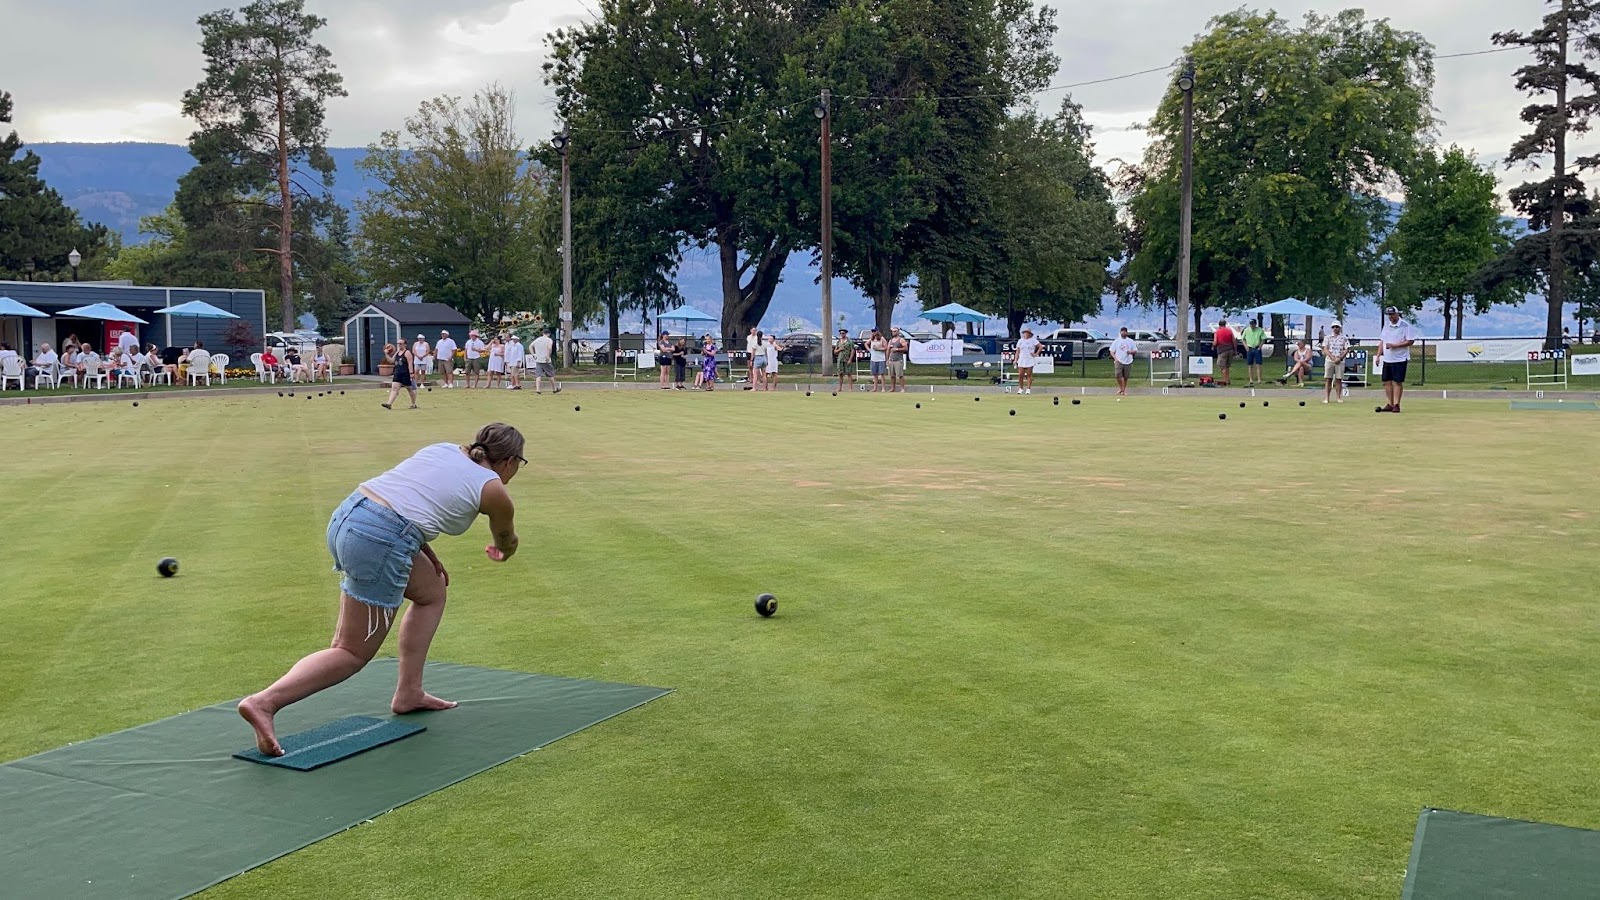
262	145
1566	37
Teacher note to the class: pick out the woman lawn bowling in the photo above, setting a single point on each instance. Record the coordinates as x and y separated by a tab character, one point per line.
379	539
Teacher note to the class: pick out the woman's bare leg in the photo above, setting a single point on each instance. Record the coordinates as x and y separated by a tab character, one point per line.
356	640
426	591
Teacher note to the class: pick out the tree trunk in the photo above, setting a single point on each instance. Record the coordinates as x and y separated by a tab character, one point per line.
1014	321
1556	297
613	329
743	305
286	224
1447	308
1461	314
1280	340
888	294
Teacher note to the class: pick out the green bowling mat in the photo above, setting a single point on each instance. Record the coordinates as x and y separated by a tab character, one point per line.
1460	856
164	810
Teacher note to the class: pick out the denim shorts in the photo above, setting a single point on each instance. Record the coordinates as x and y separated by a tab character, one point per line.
1252	356
373	546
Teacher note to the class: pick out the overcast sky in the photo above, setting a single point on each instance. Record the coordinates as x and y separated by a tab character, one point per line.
111	70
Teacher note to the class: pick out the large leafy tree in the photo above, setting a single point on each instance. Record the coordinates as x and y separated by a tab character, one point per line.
1054	222
462	215
36	225
1568	35
1450	229
683	97
261	145
1298	132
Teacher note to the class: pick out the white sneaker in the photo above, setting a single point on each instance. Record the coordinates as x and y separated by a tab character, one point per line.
1324	402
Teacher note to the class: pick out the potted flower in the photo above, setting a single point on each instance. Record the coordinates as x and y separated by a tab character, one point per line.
386	368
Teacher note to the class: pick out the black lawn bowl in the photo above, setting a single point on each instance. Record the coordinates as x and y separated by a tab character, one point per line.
1076	401
1222	415
168	567
766	605
1013	412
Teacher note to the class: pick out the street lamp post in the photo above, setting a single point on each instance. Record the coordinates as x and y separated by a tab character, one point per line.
1186	216
563	143
73	259
825	113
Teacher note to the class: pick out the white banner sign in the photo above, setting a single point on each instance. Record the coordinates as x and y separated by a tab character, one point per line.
1586	364
1199	365
1044	365
1499	350
934	353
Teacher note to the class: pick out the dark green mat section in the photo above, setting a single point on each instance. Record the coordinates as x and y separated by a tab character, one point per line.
324	744
163	810
1461	856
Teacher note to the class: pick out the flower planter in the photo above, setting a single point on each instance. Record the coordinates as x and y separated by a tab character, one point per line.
385	370
347	368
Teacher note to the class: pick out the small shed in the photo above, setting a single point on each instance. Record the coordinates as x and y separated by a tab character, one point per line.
377	324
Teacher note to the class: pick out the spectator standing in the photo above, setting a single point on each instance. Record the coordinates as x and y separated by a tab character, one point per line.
1394	342
1122	350
497	362
707	378
127	343
680	362
424	356
1335	348
1222	350
477	351
1254	337
445	352
544	347
664	358
844	359
1027	358
769	352
878	354
899	347
516	357
758	359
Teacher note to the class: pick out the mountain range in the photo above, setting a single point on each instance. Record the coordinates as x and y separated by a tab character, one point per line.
117	184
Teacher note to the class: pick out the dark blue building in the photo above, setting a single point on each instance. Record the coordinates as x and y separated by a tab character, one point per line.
27	334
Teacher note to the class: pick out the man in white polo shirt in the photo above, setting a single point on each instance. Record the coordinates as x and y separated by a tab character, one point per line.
1394	342
476	358
445	352
1122	352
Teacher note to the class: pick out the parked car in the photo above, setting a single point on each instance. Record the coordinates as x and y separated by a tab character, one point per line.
1090	344
799	348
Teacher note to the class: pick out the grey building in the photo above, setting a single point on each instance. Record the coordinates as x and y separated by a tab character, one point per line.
144	302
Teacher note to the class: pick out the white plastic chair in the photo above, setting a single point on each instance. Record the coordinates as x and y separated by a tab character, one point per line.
219	367
131	375
263	374
45	373
199	367
11	370
64	372
92	374
156	373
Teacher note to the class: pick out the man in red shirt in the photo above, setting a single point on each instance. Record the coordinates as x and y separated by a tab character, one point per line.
269	361
1222	349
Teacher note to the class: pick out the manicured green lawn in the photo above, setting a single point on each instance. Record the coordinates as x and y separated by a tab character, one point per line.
1116	650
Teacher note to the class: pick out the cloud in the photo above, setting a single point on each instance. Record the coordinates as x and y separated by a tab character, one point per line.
147	121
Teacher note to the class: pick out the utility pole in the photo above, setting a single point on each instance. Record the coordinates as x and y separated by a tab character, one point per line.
1186	217
825	113
563	143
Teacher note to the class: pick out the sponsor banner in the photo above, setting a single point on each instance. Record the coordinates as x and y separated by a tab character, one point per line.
1057	350
1586	364
934	353
1199	365
1497	350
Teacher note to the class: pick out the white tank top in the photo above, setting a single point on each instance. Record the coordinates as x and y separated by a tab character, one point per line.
439	489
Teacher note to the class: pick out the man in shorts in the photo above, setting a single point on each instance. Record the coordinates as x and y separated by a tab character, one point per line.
477	358
898	348
878	356
1254	337
1122	350
544	366
1394	342
424	357
844	359
1335	347
445	352
1222	350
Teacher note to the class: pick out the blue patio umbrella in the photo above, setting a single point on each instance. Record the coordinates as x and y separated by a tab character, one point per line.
688	314
103	311
953	312
197	310
1291	307
10	307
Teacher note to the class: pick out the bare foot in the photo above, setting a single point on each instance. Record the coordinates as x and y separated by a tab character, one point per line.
254	712
409	703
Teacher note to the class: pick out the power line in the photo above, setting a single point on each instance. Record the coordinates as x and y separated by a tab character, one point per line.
1476	53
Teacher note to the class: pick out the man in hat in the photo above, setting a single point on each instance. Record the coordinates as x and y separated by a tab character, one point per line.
477	358
424	357
1394	342
445	352
844	359
516	355
1335	348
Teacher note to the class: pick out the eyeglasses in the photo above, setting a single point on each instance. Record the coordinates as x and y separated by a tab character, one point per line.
522	460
